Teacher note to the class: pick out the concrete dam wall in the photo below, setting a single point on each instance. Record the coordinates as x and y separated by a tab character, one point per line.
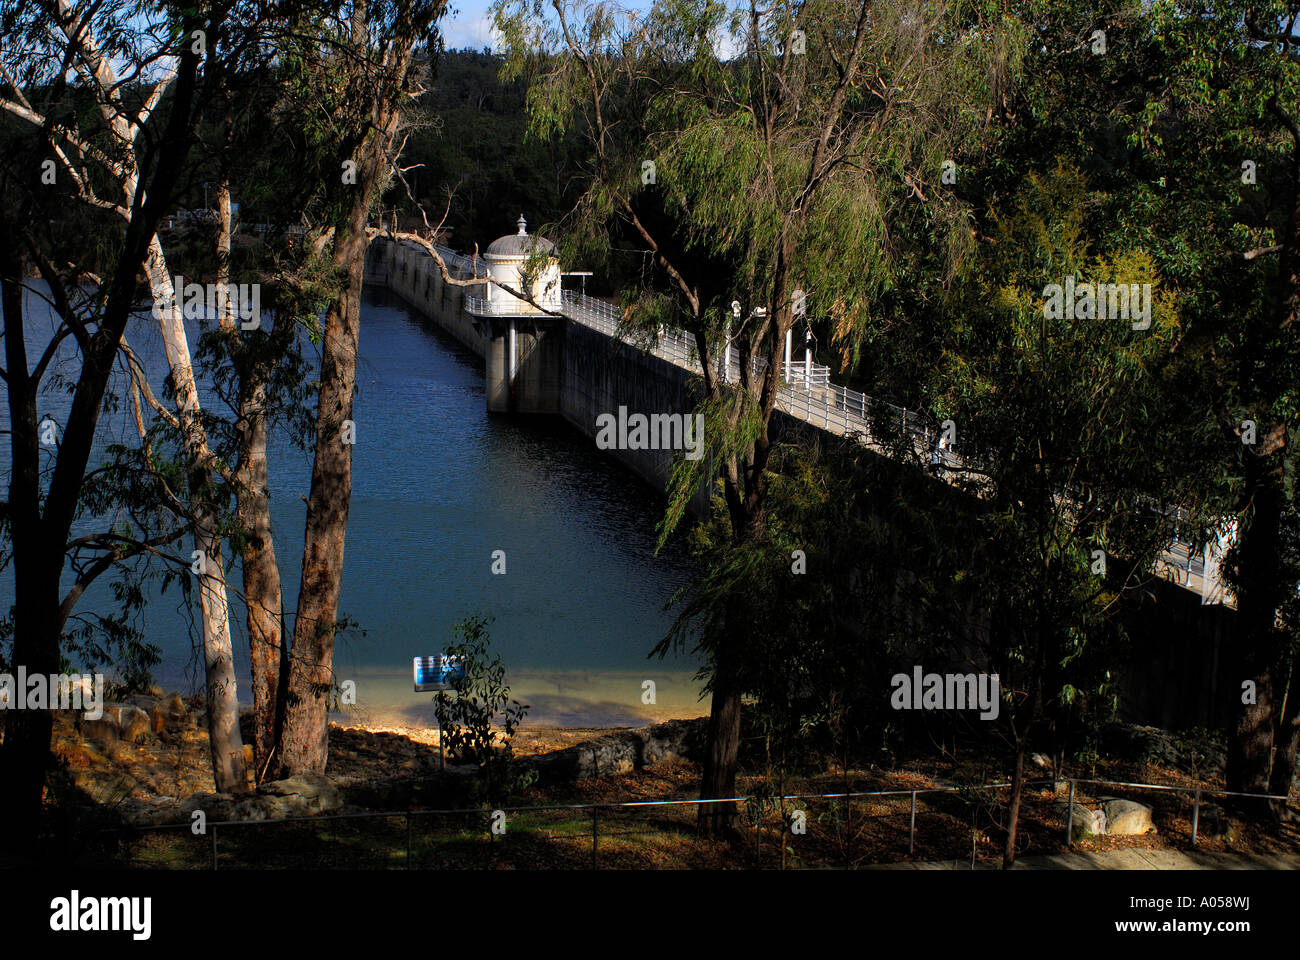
563	368
1182	658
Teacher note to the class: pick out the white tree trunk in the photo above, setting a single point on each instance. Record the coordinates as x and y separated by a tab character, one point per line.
228	766
124	124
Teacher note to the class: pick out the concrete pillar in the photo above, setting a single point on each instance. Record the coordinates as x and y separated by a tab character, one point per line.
523	364
514	360
726	356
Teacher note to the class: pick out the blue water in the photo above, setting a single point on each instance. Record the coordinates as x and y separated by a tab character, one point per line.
438	485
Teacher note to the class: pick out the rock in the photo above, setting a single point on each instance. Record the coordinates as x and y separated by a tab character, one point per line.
1086	822
215	806
620	752
103	730
133	724
300	796
157	711
178	713
1127	818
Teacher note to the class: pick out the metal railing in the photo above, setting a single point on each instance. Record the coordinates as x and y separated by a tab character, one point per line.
455	261
482	306
833	407
813	398
532	821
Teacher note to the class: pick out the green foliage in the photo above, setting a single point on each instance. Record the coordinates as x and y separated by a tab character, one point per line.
814	641
473	159
479	722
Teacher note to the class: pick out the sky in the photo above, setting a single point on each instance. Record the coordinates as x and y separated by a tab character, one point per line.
470	25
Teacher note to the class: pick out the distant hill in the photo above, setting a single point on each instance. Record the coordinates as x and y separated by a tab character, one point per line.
475	146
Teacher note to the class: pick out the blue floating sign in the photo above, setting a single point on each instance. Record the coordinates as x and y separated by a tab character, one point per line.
436	673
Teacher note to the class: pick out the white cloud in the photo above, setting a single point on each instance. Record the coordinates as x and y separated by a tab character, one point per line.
471	27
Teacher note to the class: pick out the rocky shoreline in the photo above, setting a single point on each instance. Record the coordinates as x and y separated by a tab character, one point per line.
147	760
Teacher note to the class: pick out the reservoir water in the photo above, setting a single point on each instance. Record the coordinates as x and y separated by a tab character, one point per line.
438	486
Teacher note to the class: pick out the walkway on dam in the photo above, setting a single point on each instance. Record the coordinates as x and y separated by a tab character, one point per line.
811	397
807	394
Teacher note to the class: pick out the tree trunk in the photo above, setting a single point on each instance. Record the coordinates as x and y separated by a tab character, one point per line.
1261	587
719	819
1013	808
1286	742
304	747
1250	747
226	747
24	760
722	748
37	563
263	594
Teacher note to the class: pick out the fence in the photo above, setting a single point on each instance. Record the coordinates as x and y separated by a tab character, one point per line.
468	266
806	393
571	835
810	396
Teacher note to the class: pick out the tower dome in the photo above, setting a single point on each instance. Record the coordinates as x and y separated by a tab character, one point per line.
508	261
518	245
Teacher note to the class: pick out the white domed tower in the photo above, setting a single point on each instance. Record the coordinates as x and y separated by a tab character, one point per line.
523	343
507	262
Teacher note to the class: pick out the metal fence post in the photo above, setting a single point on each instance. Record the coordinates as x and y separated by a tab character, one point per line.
408	840
594	839
214	846
911	831
1069	818
1196	814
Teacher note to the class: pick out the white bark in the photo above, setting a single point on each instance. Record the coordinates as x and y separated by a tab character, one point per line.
229	769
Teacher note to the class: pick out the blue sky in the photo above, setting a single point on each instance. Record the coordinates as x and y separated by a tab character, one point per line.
470	26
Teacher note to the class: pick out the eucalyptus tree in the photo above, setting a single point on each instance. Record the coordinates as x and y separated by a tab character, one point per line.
47	489
1066	412
123	58
258	369
789	177
1235	76
1183	117
366	72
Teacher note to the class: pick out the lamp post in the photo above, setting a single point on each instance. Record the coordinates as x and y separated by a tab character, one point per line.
757	312
726	343
807	359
